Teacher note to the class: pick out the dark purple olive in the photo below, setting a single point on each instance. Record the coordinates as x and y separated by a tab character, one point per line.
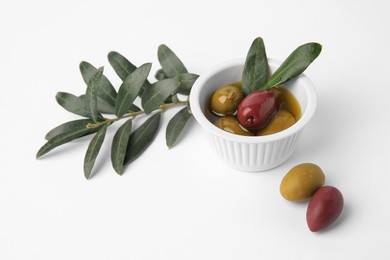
255	110
324	208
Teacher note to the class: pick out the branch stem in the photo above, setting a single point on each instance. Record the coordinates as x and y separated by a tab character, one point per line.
131	114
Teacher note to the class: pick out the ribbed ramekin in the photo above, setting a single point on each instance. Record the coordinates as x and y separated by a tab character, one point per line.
250	153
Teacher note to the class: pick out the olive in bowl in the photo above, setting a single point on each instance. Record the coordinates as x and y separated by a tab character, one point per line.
225	100
250	153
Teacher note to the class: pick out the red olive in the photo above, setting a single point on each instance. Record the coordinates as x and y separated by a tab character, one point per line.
324	208
255	110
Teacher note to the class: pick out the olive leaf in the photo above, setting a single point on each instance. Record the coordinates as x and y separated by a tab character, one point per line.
134	108
70	126
102	106
175	126
294	65
119	146
106	90
101	98
64	137
142	137
255	72
157	93
186	81
170	63
123	67
160	75
93	151
72	104
91	95
129	89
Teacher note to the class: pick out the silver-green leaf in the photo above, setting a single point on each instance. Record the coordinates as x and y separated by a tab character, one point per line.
93	151
176	125
103	106
141	138
295	64
123	67
91	95
106	90
130	88
255	72
160	75
70	126
170	63
64	137
157	93
186	81
119	146
134	108
72	103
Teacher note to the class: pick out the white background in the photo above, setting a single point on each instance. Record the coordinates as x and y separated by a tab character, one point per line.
184	203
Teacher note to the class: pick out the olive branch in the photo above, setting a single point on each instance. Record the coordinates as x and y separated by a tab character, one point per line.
101	100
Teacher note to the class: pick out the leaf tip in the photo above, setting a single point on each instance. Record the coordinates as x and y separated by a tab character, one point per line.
101	69
84	64
40	153
111	53
120	173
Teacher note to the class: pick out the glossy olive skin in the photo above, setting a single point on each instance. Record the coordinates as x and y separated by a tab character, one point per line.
224	101
256	109
300	183
324	208
230	124
279	122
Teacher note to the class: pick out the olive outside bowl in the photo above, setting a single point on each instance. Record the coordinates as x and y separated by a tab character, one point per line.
250	153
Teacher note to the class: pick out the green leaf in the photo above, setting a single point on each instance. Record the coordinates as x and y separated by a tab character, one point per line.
70	126
141	138
160	75
295	64
106	90
170	63
72	104
134	108
176	125
255	71
119	146
93	151
123	67
91	95
186	81
157	93
64	137
102	106
129	89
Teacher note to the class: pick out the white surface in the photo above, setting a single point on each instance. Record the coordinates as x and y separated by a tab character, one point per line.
184	203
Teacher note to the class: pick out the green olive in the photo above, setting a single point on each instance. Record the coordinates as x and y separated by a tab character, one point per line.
300	183
230	124
280	121
225	100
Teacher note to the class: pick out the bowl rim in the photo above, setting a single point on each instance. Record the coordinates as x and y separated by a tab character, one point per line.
200	117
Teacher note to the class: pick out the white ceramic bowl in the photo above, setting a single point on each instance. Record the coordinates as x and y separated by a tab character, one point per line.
250	153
